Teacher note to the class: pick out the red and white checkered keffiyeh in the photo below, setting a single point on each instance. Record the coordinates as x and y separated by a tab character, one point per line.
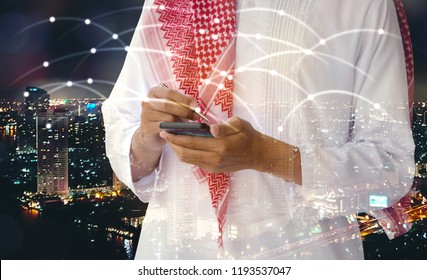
200	36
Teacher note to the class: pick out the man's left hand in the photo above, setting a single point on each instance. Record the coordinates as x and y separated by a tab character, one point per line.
236	146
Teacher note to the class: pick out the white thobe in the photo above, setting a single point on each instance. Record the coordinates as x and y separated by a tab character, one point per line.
327	76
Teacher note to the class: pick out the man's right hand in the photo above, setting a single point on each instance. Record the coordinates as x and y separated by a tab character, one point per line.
161	105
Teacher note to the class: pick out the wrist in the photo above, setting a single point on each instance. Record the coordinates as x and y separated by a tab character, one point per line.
279	159
142	143
144	157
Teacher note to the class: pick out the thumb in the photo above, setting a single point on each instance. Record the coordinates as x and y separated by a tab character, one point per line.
232	126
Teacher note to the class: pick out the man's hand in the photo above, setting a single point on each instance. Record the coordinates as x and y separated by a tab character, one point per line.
236	145
161	105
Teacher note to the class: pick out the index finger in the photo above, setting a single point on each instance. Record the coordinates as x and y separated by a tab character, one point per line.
175	96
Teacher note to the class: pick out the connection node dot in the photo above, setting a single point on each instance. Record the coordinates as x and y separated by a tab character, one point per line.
308	52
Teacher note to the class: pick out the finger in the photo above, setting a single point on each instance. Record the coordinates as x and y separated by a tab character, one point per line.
172	108
232	126
173	95
157	116
202	159
190	142
171	102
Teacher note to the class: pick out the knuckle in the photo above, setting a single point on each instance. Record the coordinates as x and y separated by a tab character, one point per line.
221	150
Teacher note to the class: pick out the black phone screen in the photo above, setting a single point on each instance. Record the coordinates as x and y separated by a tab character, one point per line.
184	128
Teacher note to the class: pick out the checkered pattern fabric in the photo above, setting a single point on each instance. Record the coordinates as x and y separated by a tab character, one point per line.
200	36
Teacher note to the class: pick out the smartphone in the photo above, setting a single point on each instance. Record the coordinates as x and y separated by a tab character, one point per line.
185	128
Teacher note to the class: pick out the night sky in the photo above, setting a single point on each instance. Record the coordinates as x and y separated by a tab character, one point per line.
28	39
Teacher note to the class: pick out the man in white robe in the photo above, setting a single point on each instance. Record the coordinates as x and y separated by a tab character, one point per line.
324	81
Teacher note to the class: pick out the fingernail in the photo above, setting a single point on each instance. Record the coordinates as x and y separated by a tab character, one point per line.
163	135
194	104
215	130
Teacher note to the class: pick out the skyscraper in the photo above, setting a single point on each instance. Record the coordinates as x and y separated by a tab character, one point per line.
117	184
52	151
35	99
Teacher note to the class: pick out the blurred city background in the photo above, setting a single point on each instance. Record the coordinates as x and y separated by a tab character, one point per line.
60	60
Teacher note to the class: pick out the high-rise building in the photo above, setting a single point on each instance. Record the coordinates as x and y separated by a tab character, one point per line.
52	151
117	184
35	100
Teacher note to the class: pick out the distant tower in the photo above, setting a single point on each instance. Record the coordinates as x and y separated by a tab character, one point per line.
35	99
52	152
117	184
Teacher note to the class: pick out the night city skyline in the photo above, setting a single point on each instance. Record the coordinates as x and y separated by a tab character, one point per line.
74	50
